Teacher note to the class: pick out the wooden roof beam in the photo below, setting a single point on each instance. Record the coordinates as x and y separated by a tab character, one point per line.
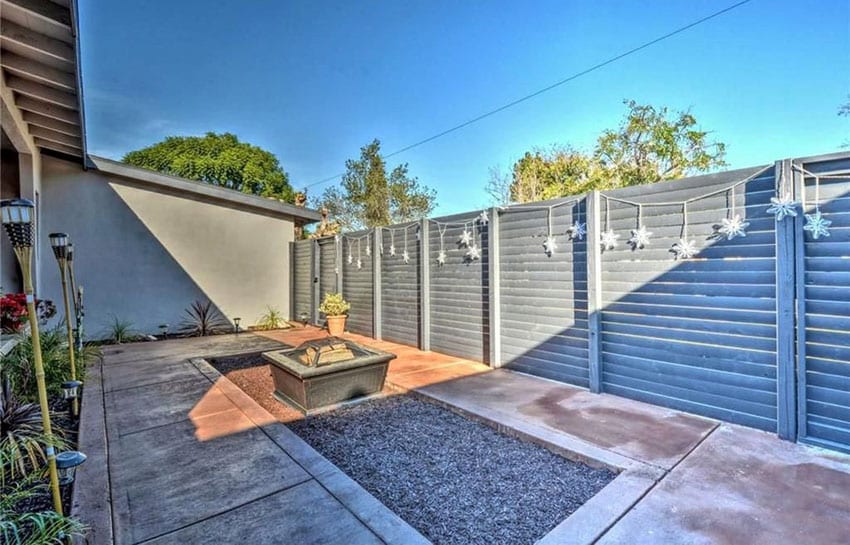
61	148
34	119
42	92
35	42
29	69
50	110
54	136
44	10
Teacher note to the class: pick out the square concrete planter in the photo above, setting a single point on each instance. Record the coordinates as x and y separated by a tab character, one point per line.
311	387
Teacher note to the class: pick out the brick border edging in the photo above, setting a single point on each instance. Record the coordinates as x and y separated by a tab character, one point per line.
388	526
91	499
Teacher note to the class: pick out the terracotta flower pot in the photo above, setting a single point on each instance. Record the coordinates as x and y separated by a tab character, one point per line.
336	325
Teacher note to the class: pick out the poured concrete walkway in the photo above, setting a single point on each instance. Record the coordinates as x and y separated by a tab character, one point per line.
192	459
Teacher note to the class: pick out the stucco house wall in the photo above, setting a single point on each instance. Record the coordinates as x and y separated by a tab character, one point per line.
145	252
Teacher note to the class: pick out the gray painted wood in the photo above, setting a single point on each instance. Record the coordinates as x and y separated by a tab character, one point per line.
425	286
785	311
377	301
358	282
302	279
494	293
400	281
594	292
315	279
328	277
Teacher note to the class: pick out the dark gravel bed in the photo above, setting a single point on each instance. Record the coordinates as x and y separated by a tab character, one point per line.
455	480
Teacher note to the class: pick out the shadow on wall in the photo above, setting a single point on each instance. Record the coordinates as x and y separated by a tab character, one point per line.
125	270
696	335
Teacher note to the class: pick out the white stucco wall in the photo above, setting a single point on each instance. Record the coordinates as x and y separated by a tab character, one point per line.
144	254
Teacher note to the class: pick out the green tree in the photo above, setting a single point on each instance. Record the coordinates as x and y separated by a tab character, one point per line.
217	159
650	145
369	196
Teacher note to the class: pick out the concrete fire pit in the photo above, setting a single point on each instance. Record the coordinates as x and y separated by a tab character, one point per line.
325	372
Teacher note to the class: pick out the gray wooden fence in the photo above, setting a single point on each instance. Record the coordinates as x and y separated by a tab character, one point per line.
754	330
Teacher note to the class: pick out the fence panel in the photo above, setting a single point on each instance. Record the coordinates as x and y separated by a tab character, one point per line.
825	291
695	334
544	297
327	267
302	281
357	281
458	298
400	310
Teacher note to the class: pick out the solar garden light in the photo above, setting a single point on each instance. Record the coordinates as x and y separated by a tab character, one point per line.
236	323
17	218
60	243
67	462
70	393
304	318
163	330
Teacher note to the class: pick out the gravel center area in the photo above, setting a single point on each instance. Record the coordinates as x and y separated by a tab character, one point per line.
455	480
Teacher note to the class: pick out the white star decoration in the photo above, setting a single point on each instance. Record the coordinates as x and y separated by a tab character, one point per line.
466	237
549	245
359	263
368	250
782	207
474	252
685	249
640	237
392	249
577	230
731	228
817	225
608	240
350	259
441	258
405	256
483	218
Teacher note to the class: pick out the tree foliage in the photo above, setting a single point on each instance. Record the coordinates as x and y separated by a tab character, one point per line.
650	145
217	159
369	196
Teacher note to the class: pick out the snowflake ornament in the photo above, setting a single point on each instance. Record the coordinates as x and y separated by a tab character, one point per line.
474	252
640	238
577	230
608	240
783	207
466	238
731	228
549	245
392	249
483	218
441	258
684	249
405	256
817	225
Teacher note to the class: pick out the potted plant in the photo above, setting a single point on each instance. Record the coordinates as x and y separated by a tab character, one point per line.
334	308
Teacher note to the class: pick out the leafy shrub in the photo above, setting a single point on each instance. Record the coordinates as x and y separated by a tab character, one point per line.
272	319
19	525
13	311
204	319
22	438
334	305
121	331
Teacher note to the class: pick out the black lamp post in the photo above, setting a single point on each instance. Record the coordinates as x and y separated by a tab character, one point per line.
17	217
236	323
60	244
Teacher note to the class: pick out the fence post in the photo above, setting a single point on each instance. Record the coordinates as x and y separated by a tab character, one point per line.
786	417
315	272
339	263
800	292
425	286
292	280
594	290
494	289
377	250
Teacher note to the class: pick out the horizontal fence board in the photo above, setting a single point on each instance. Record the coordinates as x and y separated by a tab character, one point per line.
301	278
358	282
400	281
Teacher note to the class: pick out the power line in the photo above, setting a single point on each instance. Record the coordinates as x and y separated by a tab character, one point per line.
552	86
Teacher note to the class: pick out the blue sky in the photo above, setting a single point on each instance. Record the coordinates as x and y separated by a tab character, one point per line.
314	81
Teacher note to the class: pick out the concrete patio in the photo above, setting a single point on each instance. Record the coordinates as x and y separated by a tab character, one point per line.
191	458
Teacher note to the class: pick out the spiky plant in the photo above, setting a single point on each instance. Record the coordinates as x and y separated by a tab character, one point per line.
202	319
22	438
121	331
272	319
22	526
